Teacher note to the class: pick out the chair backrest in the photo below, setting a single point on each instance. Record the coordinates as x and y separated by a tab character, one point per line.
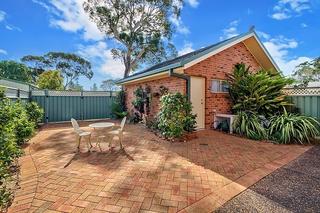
75	125
123	122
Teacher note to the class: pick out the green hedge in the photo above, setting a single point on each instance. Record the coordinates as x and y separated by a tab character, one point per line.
17	125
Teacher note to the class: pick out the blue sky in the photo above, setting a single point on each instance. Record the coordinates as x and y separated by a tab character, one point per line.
290	29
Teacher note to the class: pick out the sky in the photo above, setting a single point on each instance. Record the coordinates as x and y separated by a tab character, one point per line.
290	30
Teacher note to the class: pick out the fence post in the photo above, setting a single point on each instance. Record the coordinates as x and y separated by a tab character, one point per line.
81	106
46	104
18	93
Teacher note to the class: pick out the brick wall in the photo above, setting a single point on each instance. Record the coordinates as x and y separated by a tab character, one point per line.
217	67
172	83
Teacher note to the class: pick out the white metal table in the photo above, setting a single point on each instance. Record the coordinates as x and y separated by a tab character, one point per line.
99	127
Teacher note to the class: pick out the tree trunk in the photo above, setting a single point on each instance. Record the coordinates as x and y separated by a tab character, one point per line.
127	64
126	71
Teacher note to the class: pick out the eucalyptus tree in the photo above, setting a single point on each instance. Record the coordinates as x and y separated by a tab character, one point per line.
142	29
70	65
308	71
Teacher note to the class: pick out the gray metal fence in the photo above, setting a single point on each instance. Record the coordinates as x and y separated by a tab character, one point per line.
307	100
81	105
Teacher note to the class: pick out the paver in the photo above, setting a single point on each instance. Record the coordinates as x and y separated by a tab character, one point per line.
292	188
150	175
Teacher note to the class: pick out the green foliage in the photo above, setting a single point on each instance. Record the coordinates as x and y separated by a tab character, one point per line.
71	66
109	85
2	93
51	80
9	151
15	71
34	111
249	125
259	92
308	71
22	125
17	124
119	106
142	28
140	99
293	128
175	117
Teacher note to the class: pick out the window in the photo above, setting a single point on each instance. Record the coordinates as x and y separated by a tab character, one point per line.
219	86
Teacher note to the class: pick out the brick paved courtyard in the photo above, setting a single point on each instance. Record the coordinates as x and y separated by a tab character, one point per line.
151	175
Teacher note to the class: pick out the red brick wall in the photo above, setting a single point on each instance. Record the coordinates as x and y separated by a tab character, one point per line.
217	67
172	83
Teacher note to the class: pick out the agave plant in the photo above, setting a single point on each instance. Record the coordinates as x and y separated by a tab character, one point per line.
292	128
259	92
250	125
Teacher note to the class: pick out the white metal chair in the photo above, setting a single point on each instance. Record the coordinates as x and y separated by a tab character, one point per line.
81	133
119	132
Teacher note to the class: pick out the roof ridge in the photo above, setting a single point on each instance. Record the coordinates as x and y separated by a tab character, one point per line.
178	61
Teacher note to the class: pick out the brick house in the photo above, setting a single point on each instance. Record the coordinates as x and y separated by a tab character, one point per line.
202	75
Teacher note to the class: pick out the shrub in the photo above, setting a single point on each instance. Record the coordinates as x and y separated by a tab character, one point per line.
119	107
259	92
9	151
292	128
22	125
175	117
24	129
250	125
34	111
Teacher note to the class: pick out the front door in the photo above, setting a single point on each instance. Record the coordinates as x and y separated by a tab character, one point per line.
197	98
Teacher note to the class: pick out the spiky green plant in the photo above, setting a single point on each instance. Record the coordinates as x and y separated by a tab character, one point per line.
250	125
292	128
259	92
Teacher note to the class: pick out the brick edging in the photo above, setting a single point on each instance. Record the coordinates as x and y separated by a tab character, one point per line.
216	199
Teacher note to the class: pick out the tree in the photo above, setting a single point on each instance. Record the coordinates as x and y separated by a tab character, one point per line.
75	86
37	64
109	85
15	71
308	71
94	87
70	65
142	29
50	80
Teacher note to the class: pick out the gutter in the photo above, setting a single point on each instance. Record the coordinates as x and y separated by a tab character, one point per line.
185	77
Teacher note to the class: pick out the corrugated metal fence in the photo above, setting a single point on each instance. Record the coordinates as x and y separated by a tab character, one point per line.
307	100
81	105
62	105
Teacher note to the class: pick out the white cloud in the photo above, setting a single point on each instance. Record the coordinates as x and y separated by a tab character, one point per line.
4	52
187	48
193	3
231	30
181	28
279	49
2	15
12	27
100	54
70	16
285	9
303	25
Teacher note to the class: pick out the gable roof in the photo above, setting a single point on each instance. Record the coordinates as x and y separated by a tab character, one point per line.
193	57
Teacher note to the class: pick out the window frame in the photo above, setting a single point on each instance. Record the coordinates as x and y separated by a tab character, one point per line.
221	81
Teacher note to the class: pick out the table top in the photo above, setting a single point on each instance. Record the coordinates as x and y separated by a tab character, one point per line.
101	125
